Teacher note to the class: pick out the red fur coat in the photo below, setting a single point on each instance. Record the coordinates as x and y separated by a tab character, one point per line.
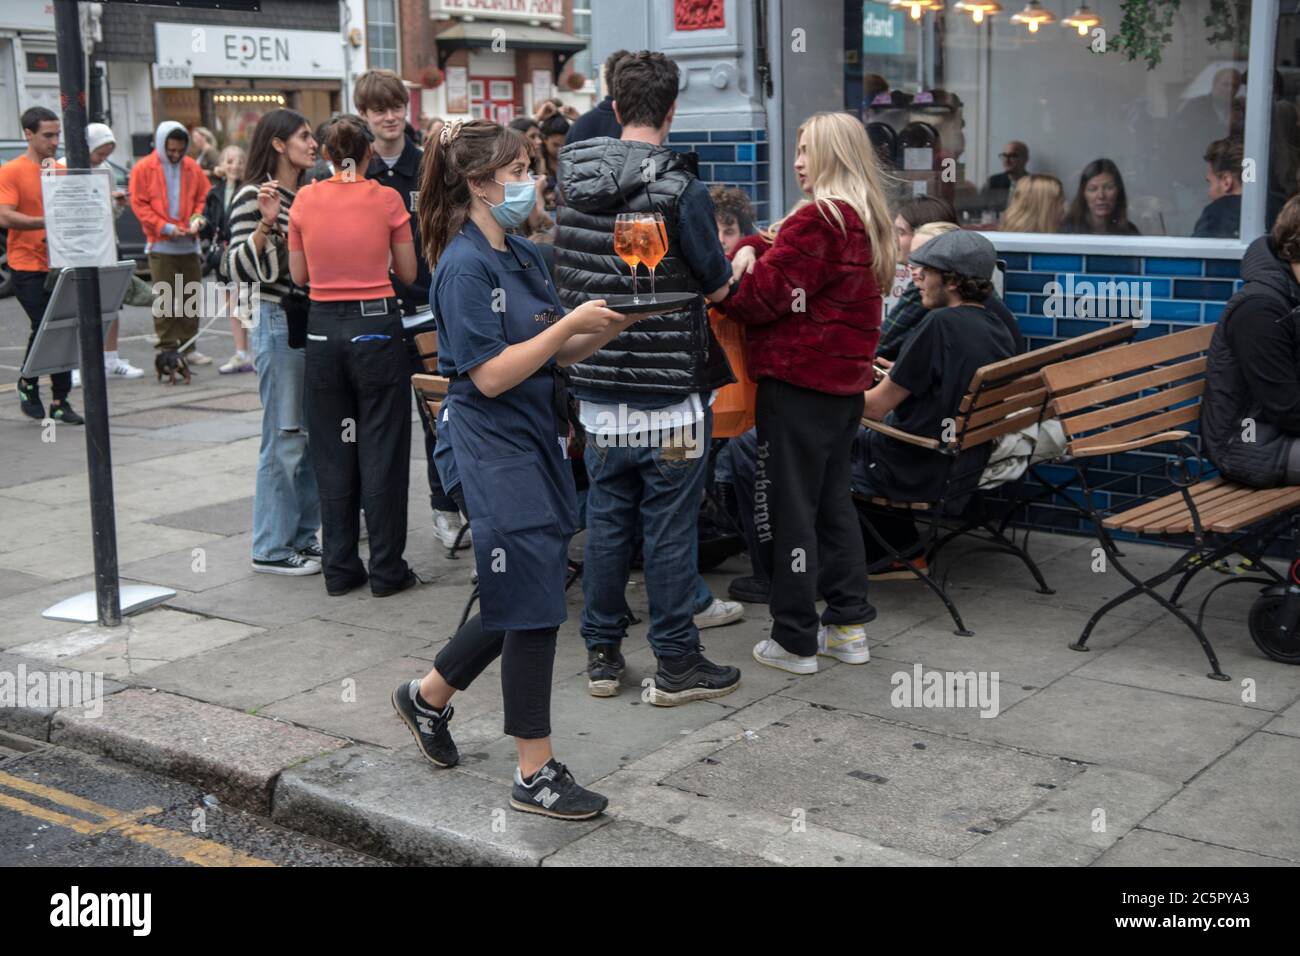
811	307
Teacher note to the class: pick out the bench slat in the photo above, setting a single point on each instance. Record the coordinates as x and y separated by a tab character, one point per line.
1139	429
1245	501
1003	426
1093	369
1148	509
1055	353
993	413
991	396
1074	401
1112	414
1260	511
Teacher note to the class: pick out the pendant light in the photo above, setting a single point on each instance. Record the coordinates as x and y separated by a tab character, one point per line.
917	7
1082	20
979	9
1033	15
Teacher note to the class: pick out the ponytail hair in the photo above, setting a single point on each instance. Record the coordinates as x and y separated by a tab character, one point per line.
461	153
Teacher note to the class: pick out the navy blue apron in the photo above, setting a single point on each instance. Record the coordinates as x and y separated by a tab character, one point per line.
510	455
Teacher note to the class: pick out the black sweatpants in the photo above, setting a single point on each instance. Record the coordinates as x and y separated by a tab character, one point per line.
527	663
359	419
29	289
802	495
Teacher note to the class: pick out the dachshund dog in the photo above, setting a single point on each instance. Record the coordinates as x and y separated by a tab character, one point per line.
172	364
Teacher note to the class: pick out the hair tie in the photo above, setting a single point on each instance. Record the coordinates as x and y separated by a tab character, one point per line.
449	132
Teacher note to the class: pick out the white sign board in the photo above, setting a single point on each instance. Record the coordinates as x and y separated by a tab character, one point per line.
79	217
218	50
175	77
551	11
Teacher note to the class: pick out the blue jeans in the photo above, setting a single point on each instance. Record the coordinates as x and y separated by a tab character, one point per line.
666	492
286	509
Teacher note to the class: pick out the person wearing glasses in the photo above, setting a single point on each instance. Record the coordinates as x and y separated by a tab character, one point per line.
998	190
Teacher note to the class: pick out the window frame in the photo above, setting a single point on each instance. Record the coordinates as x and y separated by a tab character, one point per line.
397	38
1264	17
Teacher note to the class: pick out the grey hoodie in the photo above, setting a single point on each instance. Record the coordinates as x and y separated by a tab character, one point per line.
183	245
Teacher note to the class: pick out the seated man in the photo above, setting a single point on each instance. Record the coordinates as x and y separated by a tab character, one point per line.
1250	413
1222	217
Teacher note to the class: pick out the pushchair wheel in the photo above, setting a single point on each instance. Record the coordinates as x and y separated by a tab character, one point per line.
1268	632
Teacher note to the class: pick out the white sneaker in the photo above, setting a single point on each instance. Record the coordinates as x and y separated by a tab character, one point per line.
236	364
197	358
844	642
718	613
772	654
122	369
446	525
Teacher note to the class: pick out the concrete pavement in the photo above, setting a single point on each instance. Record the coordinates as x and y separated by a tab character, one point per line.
274	696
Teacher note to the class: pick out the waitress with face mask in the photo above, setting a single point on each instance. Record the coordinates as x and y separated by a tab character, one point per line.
502	334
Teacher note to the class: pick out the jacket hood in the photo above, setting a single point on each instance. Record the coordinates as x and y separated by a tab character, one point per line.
601	175
1260	264
160	139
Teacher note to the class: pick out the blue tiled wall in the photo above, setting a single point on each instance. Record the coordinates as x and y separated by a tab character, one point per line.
1184	293
731	157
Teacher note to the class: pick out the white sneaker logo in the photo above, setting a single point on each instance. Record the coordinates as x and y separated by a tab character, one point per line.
547	797
426	724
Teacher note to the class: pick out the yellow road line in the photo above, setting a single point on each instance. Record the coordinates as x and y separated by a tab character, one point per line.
201	852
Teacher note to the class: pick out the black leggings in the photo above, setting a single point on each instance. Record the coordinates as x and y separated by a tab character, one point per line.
527	663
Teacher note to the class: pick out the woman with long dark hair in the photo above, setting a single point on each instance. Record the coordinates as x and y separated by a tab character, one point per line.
502	332
286	506
1101	205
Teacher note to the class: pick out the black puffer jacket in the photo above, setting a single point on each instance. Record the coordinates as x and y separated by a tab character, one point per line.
662	356
1250	413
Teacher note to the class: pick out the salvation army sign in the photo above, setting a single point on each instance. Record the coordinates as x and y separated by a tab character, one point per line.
223	50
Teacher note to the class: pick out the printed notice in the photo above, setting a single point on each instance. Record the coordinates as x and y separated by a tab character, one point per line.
79	217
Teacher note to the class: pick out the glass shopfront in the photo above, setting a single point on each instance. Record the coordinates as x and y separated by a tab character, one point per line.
964	100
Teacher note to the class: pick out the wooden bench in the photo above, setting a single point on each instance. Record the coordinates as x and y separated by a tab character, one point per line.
1003	397
1139	397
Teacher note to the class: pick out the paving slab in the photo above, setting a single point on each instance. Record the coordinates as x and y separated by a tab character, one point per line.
277	664
239	402
1246	801
209	565
403	809
429	612
165	415
626	843
71	555
895	786
20	614
16	582
236	756
1076	822
1146	731
1287	722
22	678
1166	656
268	600
227	518
29	459
213	427
141	643
1150	848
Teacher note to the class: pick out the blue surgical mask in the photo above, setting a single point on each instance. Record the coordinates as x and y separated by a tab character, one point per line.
512	211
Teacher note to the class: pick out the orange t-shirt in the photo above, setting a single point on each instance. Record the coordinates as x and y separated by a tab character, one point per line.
20	187
346	230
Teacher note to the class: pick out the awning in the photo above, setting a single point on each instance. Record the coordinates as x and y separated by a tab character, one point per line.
481	34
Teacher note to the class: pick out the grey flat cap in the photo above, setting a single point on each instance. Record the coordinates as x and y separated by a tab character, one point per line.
962	252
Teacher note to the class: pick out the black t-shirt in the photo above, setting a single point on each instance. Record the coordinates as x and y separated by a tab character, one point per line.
936	366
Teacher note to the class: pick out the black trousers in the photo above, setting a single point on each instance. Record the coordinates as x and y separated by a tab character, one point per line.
527	663
359	419
802	495
29	289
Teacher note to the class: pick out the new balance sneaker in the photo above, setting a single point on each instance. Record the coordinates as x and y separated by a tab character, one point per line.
295	565
235	364
718	613
680	680
29	397
447	525
196	357
772	654
553	792
604	669
427	726
844	642
122	369
63	413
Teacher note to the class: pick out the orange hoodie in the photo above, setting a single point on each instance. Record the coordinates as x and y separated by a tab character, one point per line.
149	195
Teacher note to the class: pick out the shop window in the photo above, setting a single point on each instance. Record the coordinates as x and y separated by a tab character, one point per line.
961	107
582	30
381	34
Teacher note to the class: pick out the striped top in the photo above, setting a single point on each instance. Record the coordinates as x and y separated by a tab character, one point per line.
270	269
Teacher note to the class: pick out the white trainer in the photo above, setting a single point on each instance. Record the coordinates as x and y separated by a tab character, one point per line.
844	642
718	613
447	525
122	369
772	654
198	358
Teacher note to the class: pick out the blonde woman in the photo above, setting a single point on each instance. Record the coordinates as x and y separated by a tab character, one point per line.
811	305
1037	205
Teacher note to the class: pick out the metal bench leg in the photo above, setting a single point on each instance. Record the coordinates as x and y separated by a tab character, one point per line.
927	579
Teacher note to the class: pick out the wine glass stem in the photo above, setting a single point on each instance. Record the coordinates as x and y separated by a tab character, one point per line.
652	282
635	297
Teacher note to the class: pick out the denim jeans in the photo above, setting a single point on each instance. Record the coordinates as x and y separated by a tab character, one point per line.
286	509
665	490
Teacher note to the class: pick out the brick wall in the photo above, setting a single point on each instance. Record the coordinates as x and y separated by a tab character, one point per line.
732	157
